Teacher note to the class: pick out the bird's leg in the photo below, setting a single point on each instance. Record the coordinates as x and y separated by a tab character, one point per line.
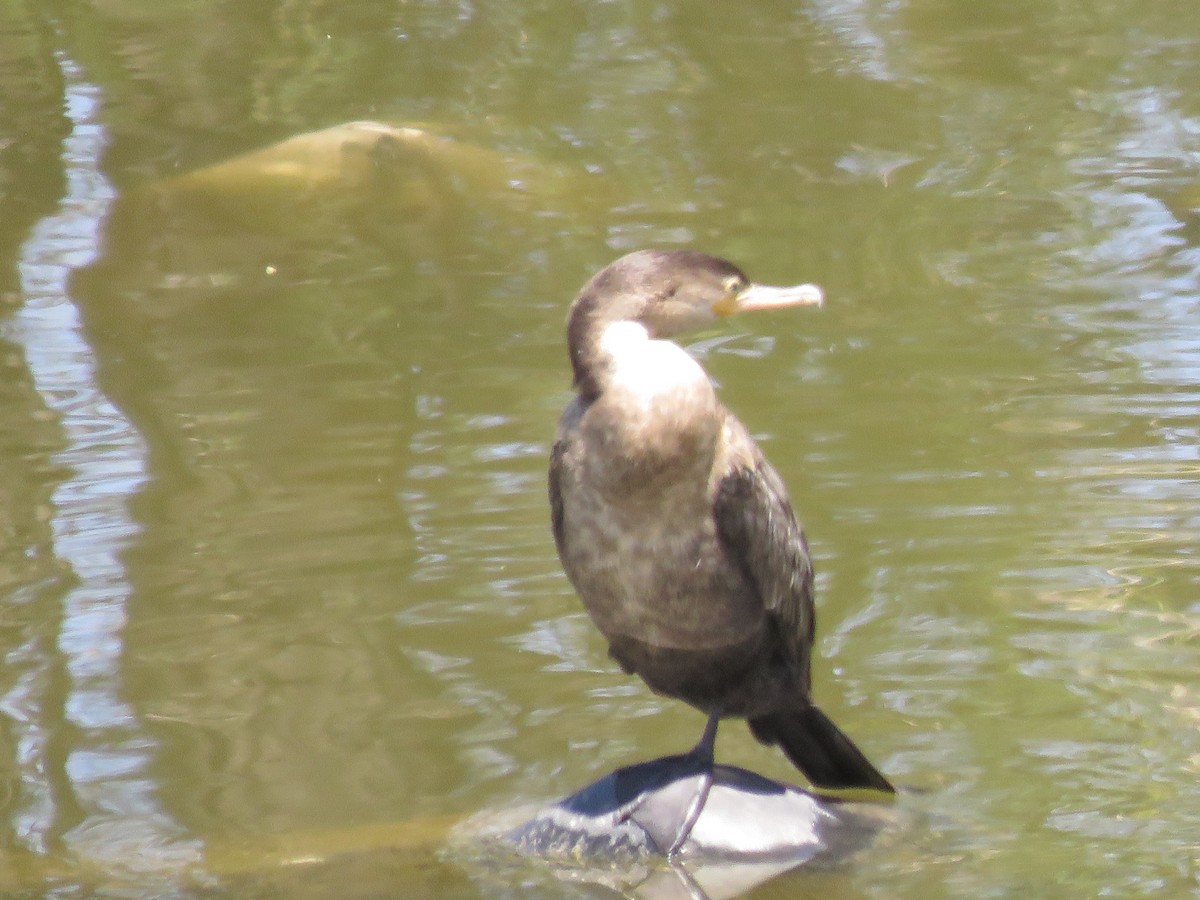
703	756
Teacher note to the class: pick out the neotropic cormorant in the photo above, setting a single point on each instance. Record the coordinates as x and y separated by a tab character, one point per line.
672	526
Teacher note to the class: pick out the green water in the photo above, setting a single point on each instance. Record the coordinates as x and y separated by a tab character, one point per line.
276	578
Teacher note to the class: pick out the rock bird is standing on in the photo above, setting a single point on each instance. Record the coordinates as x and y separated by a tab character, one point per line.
675	530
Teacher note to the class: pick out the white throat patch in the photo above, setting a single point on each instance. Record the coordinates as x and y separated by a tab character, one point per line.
646	368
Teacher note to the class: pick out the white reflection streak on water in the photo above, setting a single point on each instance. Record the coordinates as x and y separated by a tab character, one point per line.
124	828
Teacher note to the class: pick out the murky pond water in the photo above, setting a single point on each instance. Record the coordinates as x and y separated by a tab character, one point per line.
276	580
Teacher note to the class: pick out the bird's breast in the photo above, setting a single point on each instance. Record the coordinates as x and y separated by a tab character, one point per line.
668	584
640	544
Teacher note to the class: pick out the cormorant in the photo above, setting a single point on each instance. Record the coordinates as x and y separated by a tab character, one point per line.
672	526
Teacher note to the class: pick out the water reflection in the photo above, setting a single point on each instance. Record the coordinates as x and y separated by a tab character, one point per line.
94	795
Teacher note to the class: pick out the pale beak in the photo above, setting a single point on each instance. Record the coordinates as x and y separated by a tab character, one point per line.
761	296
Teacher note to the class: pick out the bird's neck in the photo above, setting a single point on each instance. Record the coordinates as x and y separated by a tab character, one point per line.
655	409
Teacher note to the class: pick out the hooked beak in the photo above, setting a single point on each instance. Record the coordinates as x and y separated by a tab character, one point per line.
761	296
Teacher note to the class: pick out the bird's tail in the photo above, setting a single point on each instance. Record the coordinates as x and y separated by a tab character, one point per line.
818	748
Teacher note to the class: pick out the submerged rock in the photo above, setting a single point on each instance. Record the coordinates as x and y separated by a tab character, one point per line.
403	173
316	199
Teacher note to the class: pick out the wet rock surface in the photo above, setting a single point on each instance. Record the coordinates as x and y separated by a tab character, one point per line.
616	830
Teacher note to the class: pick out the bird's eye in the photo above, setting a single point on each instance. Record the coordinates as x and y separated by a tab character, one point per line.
732	286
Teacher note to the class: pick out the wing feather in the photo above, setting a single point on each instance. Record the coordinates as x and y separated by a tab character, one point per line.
759	531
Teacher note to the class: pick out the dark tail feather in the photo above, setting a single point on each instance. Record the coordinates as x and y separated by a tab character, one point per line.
818	748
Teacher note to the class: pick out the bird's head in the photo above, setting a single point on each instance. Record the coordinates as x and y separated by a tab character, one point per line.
668	292
675	291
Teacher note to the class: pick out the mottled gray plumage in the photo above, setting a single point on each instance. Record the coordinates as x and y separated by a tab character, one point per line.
674	529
